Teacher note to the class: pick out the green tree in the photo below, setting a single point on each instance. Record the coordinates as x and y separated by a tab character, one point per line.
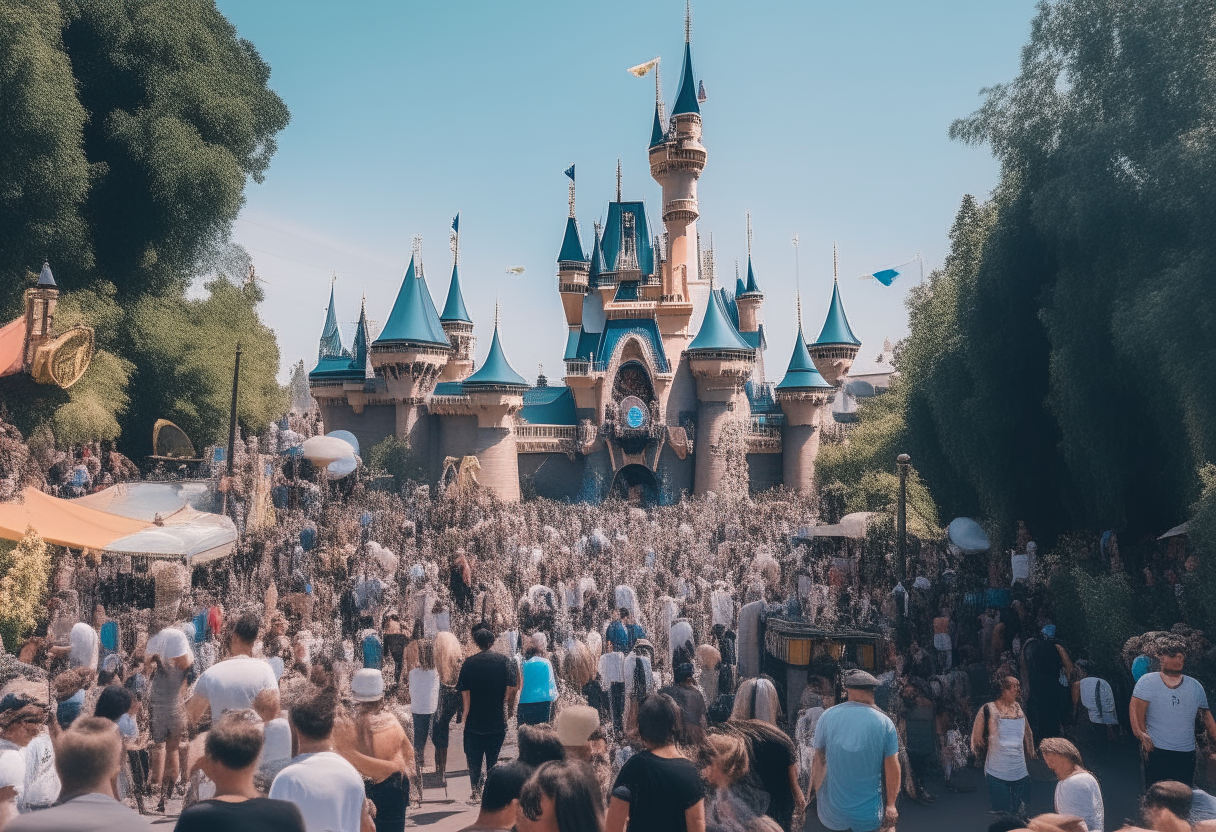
26	568
1056	367
128	130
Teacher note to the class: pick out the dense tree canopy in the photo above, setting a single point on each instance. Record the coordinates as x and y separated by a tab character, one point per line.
128	129
1059	364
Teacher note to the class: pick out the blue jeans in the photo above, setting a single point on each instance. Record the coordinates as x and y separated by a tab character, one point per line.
1008	796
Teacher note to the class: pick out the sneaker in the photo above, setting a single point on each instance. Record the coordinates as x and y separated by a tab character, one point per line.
475	797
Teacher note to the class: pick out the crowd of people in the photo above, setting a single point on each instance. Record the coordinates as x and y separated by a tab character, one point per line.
621	652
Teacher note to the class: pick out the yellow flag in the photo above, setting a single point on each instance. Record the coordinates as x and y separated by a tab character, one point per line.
642	69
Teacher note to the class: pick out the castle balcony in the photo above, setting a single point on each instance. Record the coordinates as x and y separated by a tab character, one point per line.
575	287
763	438
577	266
546	439
833	361
630	309
622	275
666	158
585	368
680	210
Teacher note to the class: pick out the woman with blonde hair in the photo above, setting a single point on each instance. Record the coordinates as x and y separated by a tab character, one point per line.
1078	792
449	656
734	803
757	699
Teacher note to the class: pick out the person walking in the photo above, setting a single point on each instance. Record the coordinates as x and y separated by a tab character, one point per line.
1045	663
1163	710
657	789
488	684
239	681
538	690
1078	792
381	751
169	657
857	776
230	761
327	789
1100	725
1001	736
423	682
686	694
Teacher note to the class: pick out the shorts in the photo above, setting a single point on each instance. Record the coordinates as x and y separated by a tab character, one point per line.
166	723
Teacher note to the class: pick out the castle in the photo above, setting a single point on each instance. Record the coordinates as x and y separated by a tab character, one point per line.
665	385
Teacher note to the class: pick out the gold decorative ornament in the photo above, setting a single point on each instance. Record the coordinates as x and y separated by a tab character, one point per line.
64	360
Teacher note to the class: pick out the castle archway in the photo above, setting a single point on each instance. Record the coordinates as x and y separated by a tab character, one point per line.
636	484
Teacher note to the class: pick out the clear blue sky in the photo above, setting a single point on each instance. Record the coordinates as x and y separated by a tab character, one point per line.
825	119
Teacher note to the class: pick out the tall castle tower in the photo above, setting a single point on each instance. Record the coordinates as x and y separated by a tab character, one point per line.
455	320
40	303
677	158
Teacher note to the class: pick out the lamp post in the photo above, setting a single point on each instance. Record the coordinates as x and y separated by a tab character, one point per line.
902	463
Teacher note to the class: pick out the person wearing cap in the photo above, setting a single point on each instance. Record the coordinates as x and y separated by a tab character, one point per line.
857	775
379	749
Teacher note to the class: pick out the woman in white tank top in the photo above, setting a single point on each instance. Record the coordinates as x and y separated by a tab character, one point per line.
1001	737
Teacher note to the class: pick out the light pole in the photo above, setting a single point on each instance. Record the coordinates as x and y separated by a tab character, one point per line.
902	463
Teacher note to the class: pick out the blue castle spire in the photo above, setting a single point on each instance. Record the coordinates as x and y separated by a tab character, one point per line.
686	101
572	246
836	329
331	337
413	318
717	332
801	373
496	371
453	309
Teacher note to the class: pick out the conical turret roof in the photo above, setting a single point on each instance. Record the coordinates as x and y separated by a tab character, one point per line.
362	342
572	246
752	288
836	328
45	278
686	101
454	309
331	337
496	371
801	373
413	318
656	132
717	332
740	289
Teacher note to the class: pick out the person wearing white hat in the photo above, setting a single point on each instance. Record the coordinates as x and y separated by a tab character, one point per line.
381	751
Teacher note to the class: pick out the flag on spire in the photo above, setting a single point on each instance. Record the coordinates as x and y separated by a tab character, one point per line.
570	172
643	69
701	96
456	223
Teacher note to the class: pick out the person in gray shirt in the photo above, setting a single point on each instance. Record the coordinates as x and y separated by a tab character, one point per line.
87	758
1163	710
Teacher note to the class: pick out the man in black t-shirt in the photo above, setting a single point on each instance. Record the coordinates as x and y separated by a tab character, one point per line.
488	682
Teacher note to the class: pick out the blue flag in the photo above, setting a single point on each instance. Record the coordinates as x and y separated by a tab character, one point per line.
570	172
456	223
886	277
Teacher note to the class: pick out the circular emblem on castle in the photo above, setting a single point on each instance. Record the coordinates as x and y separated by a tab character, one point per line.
634	413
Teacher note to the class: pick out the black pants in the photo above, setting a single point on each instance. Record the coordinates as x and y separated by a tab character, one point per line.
1169	765
390	797
477	746
422	728
617	691
534	713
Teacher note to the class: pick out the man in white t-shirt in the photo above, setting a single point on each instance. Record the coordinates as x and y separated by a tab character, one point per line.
1163	710
327	789
239	681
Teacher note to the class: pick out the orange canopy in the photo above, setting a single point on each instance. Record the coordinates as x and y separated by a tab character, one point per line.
63	522
12	345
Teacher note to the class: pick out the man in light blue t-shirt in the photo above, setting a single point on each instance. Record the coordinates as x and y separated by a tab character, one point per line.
856	750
